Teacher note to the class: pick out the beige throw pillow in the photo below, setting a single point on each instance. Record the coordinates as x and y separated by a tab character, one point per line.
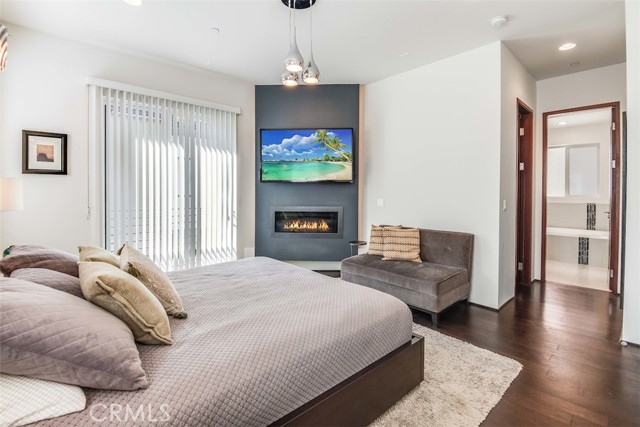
128	299
376	240
401	244
138	265
95	254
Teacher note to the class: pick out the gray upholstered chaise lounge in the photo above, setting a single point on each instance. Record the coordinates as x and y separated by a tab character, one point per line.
441	280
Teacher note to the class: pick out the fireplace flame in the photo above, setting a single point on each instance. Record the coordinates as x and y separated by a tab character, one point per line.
312	225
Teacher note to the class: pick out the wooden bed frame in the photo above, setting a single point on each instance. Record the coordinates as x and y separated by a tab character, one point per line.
363	397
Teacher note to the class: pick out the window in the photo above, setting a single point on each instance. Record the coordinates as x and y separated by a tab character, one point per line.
556	177
573	171
169	178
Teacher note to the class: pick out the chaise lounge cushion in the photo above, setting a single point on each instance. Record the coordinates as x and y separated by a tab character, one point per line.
428	278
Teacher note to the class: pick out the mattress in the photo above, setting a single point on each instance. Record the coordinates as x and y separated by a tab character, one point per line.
262	338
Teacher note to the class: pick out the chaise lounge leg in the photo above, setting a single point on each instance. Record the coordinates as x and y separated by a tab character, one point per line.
434	319
466	302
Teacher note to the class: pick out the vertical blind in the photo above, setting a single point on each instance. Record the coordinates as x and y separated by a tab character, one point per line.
170	179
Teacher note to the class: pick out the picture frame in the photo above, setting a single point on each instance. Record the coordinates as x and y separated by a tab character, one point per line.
44	152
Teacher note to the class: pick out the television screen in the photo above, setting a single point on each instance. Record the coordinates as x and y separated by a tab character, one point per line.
306	155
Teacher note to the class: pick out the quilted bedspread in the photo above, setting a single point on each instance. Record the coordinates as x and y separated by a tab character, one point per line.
262	338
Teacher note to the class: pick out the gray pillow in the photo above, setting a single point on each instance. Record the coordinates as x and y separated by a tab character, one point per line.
36	256
51	335
53	279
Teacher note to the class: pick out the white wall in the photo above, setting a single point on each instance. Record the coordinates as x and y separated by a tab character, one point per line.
516	82
606	84
431	150
45	89
631	314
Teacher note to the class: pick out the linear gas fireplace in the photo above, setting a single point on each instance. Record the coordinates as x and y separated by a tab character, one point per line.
306	221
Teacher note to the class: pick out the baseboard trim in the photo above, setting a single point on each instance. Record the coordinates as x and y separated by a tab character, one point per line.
484	306
491	308
506	302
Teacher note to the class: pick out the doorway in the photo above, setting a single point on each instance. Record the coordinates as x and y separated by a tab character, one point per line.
525	192
580	212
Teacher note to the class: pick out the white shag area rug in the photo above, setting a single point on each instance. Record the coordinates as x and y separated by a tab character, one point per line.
462	383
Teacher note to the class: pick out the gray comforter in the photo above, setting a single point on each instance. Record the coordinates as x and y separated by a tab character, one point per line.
262	338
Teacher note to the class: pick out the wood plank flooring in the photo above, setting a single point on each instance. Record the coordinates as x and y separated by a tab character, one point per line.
575	372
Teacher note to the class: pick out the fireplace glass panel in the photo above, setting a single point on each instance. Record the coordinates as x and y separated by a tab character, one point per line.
306	222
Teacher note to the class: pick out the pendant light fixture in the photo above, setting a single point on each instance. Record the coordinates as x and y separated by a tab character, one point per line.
295	70
289	79
311	74
294	61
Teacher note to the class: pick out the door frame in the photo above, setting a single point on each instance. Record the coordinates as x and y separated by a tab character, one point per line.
614	191
524	181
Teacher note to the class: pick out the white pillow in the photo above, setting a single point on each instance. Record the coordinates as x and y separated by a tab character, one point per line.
25	400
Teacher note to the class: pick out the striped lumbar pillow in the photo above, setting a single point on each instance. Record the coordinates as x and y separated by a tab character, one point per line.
376	240
401	244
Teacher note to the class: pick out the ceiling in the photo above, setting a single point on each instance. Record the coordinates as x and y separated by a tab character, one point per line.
355	41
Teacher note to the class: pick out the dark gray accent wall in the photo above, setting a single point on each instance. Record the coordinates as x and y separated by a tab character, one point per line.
323	106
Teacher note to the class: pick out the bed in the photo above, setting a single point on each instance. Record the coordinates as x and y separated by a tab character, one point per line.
268	343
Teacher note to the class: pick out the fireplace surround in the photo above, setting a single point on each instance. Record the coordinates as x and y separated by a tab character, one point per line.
326	105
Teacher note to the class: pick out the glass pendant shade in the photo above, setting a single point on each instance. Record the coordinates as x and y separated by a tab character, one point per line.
289	79
294	61
4	42
311	74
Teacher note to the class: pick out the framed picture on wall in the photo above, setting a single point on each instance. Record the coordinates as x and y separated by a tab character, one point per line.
44	152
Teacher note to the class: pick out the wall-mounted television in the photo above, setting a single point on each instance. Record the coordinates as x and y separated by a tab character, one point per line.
306	155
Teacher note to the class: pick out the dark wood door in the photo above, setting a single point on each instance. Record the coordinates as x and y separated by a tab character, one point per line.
525	193
614	218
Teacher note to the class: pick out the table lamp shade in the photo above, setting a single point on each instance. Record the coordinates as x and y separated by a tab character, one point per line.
10	194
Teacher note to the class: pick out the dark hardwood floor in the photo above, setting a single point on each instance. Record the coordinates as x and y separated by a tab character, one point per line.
567	338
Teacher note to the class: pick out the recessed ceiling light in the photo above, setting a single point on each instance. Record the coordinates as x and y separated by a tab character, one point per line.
133	2
567	46
562	123
499	21
403	54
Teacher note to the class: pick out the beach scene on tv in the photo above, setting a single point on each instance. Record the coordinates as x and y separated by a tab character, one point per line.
307	155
